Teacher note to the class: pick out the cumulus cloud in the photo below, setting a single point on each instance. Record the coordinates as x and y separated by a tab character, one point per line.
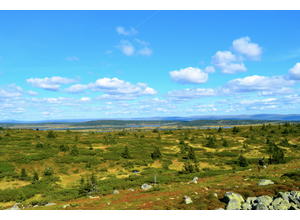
294	72
77	88
49	83
228	62
126	32
117	86
137	47
258	83
245	47
9	94
113	87
189	75
85	99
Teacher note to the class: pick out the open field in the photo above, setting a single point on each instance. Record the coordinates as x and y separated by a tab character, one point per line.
81	169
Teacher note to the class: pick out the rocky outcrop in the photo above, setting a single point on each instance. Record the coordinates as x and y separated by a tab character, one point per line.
187	200
146	187
282	201
233	200
265	182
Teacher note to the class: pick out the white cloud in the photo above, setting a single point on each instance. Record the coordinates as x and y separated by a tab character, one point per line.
9	94
117	86
228	62
246	47
127	48
85	99
32	93
205	108
49	83
209	69
77	88
258	83
137	47
294	72
113	87
189	75
127	32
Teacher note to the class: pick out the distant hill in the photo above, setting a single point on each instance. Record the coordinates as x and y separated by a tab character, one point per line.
162	120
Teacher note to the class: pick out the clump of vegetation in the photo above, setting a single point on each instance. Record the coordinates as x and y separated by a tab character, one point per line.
156	154
242	161
125	154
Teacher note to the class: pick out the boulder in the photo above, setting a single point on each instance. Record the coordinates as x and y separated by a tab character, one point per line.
50	204
246	206
234	200
146	186
265	182
284	195
251	200
265	200
116	192
282	205
233	205
187	200
15	207
66	206
195	180
261	206
294	197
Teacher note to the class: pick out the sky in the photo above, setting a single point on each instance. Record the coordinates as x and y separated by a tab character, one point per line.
131	64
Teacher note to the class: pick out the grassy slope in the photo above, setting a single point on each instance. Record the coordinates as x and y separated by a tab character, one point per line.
18	150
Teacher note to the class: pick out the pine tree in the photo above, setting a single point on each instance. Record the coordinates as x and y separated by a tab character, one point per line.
156	153
125	153
242	161
74	151
23	174
191	154
35	177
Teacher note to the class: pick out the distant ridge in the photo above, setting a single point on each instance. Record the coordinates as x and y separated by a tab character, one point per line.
265	117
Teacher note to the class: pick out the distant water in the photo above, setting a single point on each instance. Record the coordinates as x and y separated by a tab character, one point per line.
120	127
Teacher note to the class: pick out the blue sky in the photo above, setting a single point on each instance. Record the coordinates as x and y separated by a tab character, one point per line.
123	64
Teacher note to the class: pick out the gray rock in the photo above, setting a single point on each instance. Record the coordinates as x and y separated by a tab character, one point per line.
246	206
187	200
195	180
261	206
216	195
295	197
131	190
234	200
294	207
283	205
265	200
66	206
15	207
233	196
50	204
251	200
233	205
265	182
146	186
116	192
284	195
277	201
